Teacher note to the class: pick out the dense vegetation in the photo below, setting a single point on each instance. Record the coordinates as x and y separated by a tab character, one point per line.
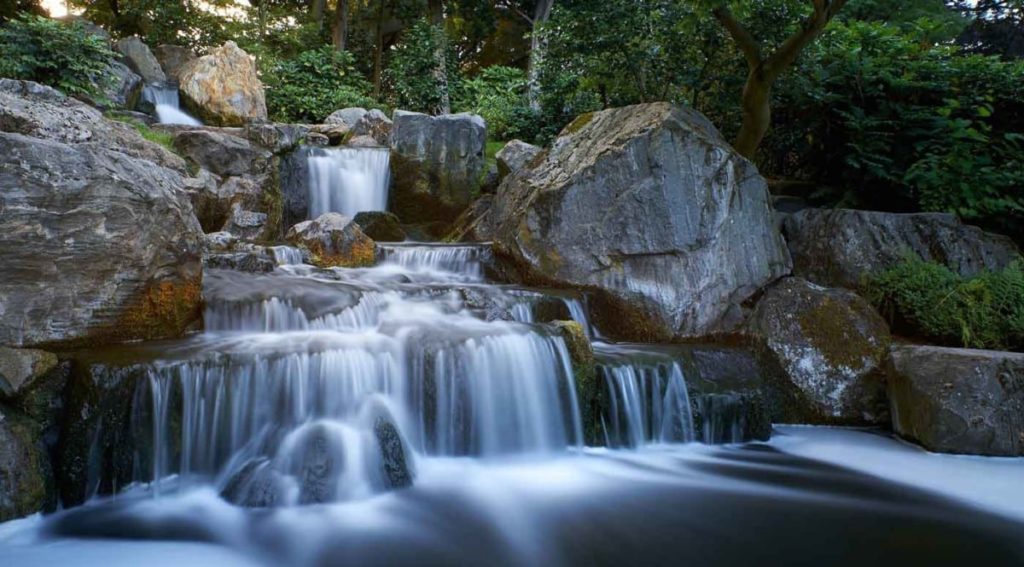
908	106
929	300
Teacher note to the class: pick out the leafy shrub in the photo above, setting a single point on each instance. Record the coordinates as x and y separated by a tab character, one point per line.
412	74
313	84
63	56
929	300
499	95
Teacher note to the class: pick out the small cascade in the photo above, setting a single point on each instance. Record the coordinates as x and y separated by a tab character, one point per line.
647	398
164	99
287	255
348	180
466	260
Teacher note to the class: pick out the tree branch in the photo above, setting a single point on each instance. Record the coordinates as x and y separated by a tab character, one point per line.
746	42
786	54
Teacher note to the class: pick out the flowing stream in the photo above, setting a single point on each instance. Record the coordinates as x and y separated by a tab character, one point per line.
165	100
347	180
414	413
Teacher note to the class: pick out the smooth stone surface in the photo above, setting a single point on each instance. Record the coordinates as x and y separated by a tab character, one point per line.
223	88
955	400
841	247
828	348
649	207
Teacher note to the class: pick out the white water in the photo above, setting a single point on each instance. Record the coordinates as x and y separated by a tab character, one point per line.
168	107
348	180
464	261
286	255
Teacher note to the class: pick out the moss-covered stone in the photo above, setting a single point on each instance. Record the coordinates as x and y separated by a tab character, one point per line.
334	240
26	482
584	369
165	309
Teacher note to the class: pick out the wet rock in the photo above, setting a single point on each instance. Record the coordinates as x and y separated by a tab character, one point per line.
954	400
650	207
375	125
347	117
293	172
320	465
26	484
96	231
727	393
841	247
514	156
584	370
333	240
173	59
828	348
254	486
381	226
19	368
393	454
140	59
222	153
223	87
246	224
437	164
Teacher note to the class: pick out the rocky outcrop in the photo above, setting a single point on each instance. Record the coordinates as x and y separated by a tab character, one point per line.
96	231
174	59
375	125
26	480
223	88
841	247
474	225
437	164
827	348
247	224
19	368
124	90
333	240
958	400
140	59
221	153
514	156
381	226
649	207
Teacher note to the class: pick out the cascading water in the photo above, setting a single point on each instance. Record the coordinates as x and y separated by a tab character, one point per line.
164	99
347	180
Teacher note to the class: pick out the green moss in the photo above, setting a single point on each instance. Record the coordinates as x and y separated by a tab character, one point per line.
576	125
584	370
163	138
831	331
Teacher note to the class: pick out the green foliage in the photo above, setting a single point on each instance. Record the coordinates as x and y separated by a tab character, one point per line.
898	123
413	75
63	56
929	300
313	84
179	22
165	139
499	95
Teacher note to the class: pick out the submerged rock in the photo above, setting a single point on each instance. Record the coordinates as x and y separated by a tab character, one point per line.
96	230
840	247
955	400
223	87
437	164
381	226
828	347
333	240
141	60
650	207
393	455
514	156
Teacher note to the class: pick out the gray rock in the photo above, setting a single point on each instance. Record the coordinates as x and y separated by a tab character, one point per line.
954	400
293	174
222	153
26	484
214	203
125	88
173	59
328	134
97	235
252	262
376	125
474	225
841	247
246	224
317	139
437	164
140	59
514	156
20	367
393	455
219	241
277	138
651	208
333	240
828	347
348	117
223	87
381	226
363	142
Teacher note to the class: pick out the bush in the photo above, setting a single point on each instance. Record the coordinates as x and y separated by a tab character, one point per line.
63	56
313	84
411	76
499	95
929	300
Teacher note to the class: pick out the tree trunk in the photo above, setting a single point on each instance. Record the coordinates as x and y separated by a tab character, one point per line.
378	51
436	13
537	47
317	9
339	33
757	114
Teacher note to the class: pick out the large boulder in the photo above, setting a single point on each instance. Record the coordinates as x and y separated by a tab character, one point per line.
514	156
374	125
173	59
333	240
381	226
827	350
223	88
955	400
97	235
437	164
125	88
26	479
221	153
140	59
840	247
649	207
348	117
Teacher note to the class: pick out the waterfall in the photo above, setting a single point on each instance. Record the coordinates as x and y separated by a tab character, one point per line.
286	255
348	180
467	260
168	108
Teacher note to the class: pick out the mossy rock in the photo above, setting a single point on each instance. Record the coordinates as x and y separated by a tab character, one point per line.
26	480
584	369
